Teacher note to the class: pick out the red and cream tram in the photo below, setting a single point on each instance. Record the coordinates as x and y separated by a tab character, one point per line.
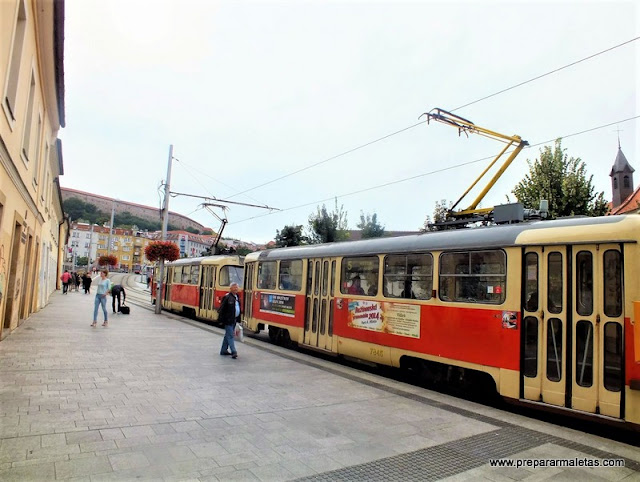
546	311
195	286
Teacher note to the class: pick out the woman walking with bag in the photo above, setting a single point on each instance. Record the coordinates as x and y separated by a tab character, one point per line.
104	286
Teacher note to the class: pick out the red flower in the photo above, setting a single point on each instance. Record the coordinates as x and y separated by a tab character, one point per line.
162	250
109	260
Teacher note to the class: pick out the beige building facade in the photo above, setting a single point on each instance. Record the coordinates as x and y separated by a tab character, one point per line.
32	224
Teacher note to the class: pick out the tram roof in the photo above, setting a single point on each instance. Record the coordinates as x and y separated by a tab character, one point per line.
568	230
216	259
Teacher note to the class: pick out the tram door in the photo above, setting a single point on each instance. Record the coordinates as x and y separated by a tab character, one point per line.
544	324
596	359
573	326
318	325
207	291
248	291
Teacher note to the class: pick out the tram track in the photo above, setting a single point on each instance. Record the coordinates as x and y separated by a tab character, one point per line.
141	297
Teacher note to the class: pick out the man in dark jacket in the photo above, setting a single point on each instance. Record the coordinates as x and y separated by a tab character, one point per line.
116	292
229	315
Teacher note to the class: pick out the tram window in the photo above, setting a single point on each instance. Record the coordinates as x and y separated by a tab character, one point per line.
408	276
530	347
186	274
309	277
231	274
584	353
359	276
554	349
177	274
316	278
325	279
612	283
314	321
195	272
267	275
554	282
584	283
473	276
333	277
531	282
290	275
323	317
612	357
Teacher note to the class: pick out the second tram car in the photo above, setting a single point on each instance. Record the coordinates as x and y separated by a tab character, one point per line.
195	286
546	311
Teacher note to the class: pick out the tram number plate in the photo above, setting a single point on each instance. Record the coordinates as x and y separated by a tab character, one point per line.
376	352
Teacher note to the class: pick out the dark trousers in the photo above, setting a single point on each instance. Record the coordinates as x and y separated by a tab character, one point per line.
65	287
113	302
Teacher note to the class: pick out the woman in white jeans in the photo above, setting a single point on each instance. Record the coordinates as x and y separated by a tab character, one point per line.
104	286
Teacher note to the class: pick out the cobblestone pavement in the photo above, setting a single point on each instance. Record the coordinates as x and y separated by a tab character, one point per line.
150	398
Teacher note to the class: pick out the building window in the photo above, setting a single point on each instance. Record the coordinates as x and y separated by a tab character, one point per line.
36	165
615	183
16	56
625	182
26	137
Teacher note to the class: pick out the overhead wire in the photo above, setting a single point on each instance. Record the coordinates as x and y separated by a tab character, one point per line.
362	146
436	171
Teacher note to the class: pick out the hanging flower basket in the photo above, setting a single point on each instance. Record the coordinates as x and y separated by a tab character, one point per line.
107	260
162	250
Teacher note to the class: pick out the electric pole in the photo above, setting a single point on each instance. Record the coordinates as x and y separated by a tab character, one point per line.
165	223
113	212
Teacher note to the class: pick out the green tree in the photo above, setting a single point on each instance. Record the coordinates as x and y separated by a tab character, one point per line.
328	227
440	211
243	250
369	226
191	230
290	236
82	261
563	181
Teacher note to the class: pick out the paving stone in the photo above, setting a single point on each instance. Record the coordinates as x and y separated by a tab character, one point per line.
44	471
82	467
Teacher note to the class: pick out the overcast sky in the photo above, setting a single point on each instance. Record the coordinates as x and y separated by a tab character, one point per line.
248	92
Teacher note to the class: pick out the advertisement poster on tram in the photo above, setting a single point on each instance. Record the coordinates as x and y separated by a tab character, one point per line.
393	318
280	304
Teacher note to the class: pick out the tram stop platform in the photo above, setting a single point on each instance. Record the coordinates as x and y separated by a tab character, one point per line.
150	398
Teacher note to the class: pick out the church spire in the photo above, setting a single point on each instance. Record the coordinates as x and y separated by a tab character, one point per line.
621	178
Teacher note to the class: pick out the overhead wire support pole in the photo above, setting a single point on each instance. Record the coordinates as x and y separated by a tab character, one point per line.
465	126
165	224
209	198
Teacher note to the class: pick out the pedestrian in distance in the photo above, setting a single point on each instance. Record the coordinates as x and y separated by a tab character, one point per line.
104	286
116	292
86	282
76	281
66	279
229	315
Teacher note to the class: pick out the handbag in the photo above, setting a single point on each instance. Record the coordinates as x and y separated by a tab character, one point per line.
124	309
239	332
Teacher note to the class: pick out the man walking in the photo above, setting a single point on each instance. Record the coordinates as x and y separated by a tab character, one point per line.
66	279
229	315
116	291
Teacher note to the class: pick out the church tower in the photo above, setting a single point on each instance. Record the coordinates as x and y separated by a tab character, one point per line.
621	179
